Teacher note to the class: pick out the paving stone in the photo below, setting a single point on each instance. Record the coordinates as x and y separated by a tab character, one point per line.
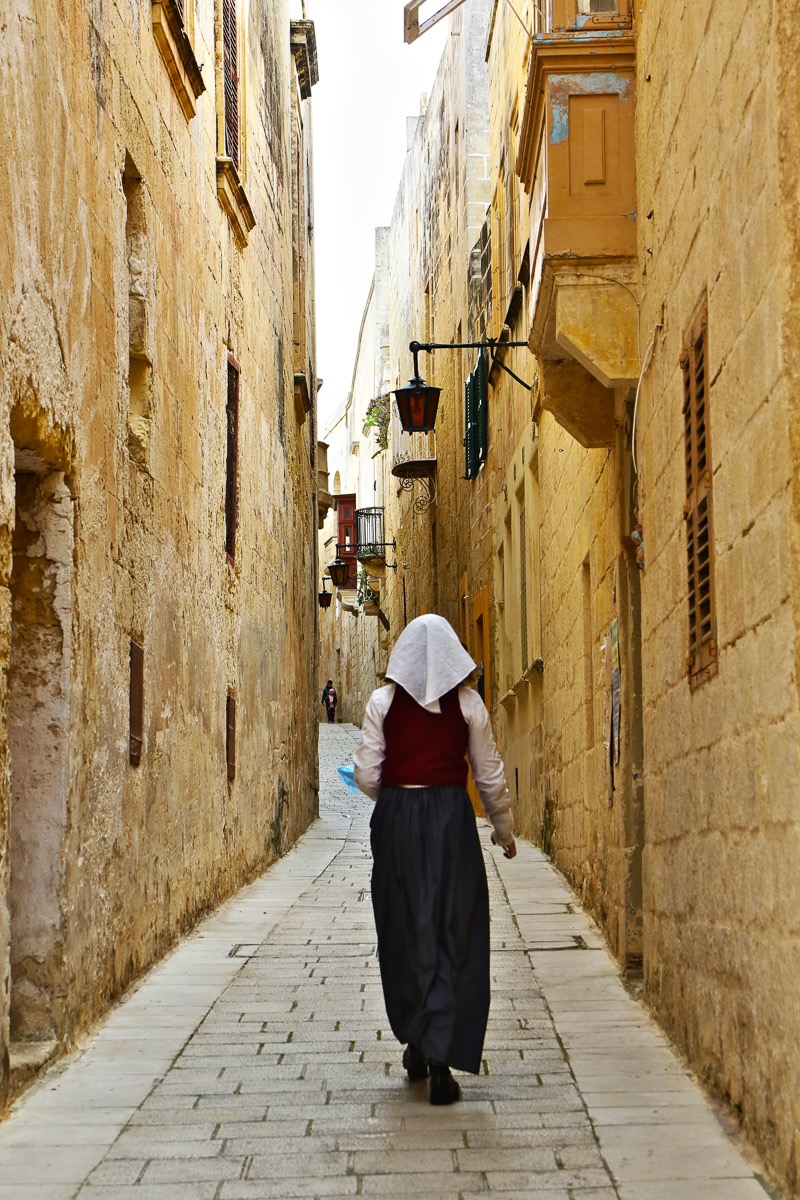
288	1082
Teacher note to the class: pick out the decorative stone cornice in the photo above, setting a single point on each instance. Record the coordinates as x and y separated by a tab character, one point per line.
176	51
304	51
232	197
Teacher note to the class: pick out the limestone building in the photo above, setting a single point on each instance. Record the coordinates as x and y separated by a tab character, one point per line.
157	485
614	531
354	627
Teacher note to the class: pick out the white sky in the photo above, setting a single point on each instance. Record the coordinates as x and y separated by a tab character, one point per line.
369	82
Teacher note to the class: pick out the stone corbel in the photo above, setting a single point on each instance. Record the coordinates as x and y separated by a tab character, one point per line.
585	332
596	324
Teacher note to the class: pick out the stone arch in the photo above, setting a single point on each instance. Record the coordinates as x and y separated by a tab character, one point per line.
337	484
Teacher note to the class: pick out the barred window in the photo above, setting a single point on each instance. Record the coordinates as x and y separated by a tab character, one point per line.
232	459
698	511
230	80
230	735
523	591
136	705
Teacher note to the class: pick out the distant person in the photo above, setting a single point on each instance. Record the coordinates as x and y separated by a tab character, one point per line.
429	890
330	700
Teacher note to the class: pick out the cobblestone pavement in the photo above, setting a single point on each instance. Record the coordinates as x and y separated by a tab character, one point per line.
256	1061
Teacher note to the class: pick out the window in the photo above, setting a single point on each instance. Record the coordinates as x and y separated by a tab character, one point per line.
138	255
591	14
230	735
346	544
230	74
499	239
588	652
523	585
476	423
702	658
232	460
300	224
136	720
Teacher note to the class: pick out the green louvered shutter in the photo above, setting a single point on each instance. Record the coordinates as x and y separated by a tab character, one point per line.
470	440
481	400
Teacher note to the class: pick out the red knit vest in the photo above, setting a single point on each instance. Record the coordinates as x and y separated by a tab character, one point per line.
422	747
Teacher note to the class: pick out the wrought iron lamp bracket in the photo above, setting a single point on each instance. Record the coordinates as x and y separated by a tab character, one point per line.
490	344
427	487
378	546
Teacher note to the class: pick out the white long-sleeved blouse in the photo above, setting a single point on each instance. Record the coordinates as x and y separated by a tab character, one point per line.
486	764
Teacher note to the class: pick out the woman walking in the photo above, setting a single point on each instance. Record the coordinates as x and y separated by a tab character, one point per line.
429	890
329	699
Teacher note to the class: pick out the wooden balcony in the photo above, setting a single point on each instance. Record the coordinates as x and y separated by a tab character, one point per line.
577	162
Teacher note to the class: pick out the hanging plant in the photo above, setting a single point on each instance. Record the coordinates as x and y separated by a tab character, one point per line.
365	592
377	418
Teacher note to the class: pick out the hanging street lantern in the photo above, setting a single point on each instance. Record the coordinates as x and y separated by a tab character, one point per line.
417	404
325	596
339	571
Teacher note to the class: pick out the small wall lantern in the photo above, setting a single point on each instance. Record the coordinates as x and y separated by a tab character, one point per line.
339	571
325	596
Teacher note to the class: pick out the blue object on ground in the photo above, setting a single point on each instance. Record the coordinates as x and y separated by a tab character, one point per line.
348	778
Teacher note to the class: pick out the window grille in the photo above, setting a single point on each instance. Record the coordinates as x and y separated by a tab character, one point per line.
702	658
230	80
369	532
179	9
230	735
232	460
523	593
136	703
476	417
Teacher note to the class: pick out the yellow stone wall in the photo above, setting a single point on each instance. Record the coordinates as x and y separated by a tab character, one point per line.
116	504
717	150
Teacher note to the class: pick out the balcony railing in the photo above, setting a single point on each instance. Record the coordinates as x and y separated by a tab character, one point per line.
370	538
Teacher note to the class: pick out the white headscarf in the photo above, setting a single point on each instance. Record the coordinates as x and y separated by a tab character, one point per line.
429	661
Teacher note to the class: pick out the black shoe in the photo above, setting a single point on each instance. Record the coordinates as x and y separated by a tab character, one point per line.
415	1063
443	1088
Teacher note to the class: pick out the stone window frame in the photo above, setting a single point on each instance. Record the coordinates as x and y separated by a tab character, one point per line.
232	412
173	30
232	172
230	736
136	703
701	661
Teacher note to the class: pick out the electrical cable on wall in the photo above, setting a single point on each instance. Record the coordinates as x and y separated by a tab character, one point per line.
648	354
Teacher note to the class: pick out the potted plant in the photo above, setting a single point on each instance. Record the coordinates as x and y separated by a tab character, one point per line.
367	598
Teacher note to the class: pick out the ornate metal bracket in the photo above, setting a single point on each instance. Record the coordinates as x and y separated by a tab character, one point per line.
427	489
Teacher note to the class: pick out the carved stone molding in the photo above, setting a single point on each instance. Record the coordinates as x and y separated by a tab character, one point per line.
232	197
176	51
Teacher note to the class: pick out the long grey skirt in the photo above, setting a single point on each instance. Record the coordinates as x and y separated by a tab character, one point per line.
431	905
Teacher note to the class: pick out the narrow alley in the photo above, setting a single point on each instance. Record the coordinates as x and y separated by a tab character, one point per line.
256	1061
